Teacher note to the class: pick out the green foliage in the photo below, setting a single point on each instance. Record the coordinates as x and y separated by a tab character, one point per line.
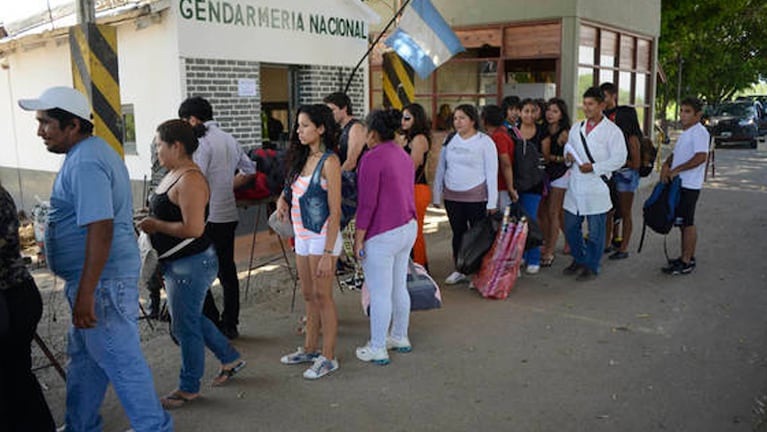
722	45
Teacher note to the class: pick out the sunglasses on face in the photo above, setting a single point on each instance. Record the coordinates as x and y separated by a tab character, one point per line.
407	118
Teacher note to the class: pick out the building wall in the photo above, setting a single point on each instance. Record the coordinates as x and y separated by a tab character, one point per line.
316	82
217	81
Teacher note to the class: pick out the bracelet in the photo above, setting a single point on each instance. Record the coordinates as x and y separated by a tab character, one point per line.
329	252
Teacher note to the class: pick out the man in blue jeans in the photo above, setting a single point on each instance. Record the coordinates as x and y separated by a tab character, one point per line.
594	156
90	243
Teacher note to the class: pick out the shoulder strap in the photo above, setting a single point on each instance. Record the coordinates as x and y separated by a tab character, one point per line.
588	154
448	138
182	244
585	144
318	169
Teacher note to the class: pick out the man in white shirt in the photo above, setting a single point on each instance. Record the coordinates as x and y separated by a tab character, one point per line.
591	147
688	161
219	156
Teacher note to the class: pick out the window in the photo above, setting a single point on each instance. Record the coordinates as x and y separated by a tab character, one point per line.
129	130
620	58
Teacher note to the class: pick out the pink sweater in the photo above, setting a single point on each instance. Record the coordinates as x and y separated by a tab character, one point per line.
385	189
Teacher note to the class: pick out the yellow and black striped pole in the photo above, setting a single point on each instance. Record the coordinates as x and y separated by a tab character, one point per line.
94	71
398	82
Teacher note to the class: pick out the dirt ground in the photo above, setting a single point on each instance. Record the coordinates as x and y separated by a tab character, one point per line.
634	350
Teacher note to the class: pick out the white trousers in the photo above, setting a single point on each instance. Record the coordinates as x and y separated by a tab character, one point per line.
385	264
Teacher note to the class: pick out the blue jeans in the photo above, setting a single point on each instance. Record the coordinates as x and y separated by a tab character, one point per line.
530	203
385	265
186	281
111	352
586	252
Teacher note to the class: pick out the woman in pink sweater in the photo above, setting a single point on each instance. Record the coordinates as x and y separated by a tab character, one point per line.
386	231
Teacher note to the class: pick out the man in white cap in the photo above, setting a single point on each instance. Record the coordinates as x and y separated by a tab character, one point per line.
90	243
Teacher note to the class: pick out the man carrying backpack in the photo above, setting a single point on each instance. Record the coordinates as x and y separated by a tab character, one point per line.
626	179
688	161
594	156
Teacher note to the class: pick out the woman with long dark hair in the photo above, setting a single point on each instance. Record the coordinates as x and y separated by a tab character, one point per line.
179	209
467	178
417	132
553	146
386	230
529	195
313	203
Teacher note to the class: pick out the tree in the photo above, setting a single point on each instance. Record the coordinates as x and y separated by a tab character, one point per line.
721	45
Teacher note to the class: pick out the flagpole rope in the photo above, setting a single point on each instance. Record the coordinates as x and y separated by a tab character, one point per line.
375	42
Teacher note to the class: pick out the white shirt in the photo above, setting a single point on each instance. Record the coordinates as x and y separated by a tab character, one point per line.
465	164
218	156
587	194
694	139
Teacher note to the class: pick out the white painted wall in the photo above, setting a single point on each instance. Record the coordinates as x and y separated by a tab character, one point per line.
148	64
275	40
28	74
149	79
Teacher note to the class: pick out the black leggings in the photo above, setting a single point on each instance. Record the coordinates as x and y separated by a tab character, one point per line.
462	216
22	404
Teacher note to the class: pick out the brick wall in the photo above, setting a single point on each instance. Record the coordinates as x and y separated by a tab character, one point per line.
216	81
316	82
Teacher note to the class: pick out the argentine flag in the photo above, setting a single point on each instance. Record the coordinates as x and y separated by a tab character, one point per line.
423	38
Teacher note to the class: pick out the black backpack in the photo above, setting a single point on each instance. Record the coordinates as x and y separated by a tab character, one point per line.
647	154
528	164
659	210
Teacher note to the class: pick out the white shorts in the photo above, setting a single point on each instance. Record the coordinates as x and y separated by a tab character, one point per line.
316	245
562	182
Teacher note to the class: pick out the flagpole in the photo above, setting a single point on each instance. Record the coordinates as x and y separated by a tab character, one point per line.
375	42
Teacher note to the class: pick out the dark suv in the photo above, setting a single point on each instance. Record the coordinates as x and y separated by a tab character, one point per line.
739	121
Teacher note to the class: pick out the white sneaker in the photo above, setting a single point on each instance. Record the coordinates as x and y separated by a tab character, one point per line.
455	277
401	345
533	269
377	356
321	367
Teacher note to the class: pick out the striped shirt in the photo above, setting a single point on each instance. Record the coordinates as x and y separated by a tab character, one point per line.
299	188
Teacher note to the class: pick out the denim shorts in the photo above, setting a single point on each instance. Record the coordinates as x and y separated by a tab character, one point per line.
626	180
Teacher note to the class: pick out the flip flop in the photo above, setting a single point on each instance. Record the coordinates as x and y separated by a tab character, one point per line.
547	260
225	374
175	400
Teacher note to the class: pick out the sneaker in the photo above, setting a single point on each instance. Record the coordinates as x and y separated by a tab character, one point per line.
618	255
320	368
401	345
586	275
377	356
680	268
572	269
533	269
668	269
300	356
455	277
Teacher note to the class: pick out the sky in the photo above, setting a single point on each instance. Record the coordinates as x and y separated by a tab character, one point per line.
13	10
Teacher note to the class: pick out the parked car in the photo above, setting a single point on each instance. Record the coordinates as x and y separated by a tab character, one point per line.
739	121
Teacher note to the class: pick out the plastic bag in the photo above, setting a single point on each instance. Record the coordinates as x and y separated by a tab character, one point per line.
534	233
149	259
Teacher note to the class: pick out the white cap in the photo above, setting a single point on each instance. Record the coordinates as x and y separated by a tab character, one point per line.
65	98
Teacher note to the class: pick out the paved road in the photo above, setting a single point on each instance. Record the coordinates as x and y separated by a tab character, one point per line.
634	350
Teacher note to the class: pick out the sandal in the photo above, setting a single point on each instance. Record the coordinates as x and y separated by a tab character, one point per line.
175	400
225	374
547	260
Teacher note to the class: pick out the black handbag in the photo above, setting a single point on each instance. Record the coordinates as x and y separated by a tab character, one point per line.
475	243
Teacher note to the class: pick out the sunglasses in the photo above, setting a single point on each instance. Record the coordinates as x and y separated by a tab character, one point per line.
407	118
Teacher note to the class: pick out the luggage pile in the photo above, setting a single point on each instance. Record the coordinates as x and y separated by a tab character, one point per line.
500	265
